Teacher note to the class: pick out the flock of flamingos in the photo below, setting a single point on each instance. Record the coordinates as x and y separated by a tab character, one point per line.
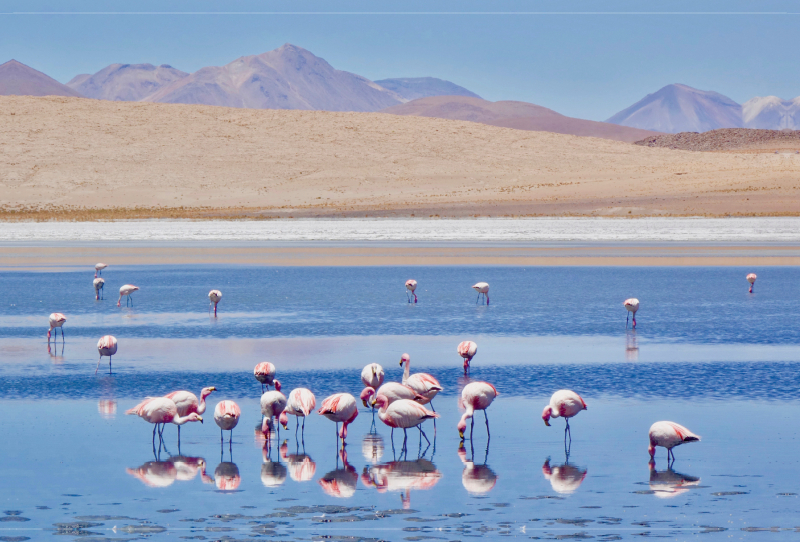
400	405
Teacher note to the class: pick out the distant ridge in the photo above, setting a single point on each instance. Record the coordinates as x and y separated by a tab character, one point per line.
412	88
17	79
126	82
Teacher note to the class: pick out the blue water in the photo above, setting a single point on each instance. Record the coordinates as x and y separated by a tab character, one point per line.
706	354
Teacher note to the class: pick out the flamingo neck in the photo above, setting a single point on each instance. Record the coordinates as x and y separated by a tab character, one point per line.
178	420
406	371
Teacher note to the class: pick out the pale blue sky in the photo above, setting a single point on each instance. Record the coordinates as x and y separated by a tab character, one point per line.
587	65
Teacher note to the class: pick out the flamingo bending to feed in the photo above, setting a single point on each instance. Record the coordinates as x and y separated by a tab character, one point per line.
161	410
632	305
564	404
668	435
214	296
126	291
98	284
393	391
187	402
411	286
107	346
483	289
372	376
340	407
467	350
98	268
751	278
300	404
265	373
272	405
226	416
56	321
476	396
424	384
404	414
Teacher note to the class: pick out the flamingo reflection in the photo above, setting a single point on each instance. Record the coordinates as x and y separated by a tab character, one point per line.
165	473
564	479
56	357
187	468
341	482
477	479
226	476
273	473
107	408
301	466
631	346
372	447
666	484
402	476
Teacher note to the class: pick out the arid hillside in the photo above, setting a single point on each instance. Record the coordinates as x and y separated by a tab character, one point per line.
67	156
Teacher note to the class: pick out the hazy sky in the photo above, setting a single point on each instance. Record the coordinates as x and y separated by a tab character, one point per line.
580	62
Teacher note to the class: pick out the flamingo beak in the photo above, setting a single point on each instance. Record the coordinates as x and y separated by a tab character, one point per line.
200	418
401	363
461	434
212	388
365	402
547	423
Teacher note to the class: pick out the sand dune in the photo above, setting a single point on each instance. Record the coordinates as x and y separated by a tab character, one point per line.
141	159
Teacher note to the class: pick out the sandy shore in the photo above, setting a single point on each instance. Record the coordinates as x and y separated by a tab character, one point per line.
81	159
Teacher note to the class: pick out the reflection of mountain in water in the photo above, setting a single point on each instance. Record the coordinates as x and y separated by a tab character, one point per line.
668	483
402	476
564	479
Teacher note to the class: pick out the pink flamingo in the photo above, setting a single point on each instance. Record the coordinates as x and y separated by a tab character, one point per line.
160	410
393	391
272	405
476	396
340	407
424	384
751	278
98	268
483	289
99	285
467	350
668	435
300	404
214	296
265	373
126	291
411	286
564	404
372	376
226	416
107	346
187	402
404	414
632	305
56	321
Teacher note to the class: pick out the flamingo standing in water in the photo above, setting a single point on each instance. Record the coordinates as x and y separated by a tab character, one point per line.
404	414
187	403
393	391
564	404
272	405
300	404
411	286
98	284
265	373
340	407
476	396
467	350
214	296
424	384
632	305
98	268
668	435
483	289
161	410
126	291
56	321
226	416
107	346
751	278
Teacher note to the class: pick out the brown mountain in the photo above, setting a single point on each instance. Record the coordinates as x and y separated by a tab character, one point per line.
287	78
17	79
519	115
126	82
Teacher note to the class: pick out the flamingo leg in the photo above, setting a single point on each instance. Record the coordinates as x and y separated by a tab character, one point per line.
634	320
415	298
98	364
422	433
215	310
479	298
221	438
109	364
179	436
628	317
485	417
408	297
471	427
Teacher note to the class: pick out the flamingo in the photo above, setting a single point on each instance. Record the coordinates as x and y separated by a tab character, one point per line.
393	391
467	350
632	305
411	286
340	407
372	376
265	373
482	288
107	346
424	384
214	296
126	291
751	278
187	402
98	269
98	284
161	410
404	414
301	403
56	321
226	416
476	396
272	405
564	404
668	435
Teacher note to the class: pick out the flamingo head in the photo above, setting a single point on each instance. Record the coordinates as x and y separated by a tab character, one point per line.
266	426
652	451
205	392
195	417
405	358
381	401
277	384
462	426
48	332
284	419
546	469
366	394
546	413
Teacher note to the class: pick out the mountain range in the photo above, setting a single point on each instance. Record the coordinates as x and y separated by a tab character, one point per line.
18	79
